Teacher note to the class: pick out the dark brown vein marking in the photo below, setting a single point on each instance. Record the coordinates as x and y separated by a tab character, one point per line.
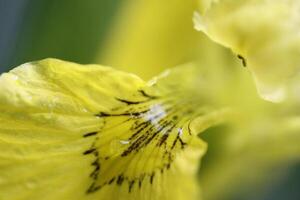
90	134
147	95
144	131
89	151
244	62
104	114
132	102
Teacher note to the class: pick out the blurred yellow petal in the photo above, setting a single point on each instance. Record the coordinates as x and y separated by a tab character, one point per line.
248	153
264	34
251	157
69	131
150	36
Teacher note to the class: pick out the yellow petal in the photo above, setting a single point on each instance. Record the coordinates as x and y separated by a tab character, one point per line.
150	36
264	137
264	34
69	131
264	147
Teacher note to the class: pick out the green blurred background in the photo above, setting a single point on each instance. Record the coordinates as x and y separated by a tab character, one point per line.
76	30
69	29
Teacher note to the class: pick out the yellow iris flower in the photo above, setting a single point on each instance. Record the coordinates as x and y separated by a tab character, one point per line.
92	132
71	131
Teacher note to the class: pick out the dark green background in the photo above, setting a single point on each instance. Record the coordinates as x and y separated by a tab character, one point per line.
67	29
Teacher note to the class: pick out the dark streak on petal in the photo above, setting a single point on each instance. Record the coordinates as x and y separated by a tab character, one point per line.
90	134
244	62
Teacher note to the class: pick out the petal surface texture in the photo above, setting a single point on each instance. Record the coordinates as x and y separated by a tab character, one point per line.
265	35
69	131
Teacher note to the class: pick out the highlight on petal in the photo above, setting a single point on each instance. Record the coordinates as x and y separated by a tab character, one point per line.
264	34
69	131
